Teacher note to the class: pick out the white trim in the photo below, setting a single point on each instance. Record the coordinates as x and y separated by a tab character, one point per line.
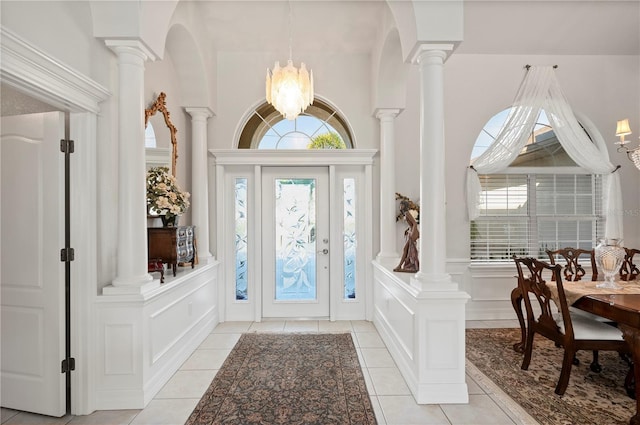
34	72
43	77
287	157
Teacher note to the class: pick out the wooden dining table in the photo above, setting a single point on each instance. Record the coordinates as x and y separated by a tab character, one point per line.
619	305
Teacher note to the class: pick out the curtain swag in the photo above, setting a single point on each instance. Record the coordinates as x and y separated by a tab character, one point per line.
540	89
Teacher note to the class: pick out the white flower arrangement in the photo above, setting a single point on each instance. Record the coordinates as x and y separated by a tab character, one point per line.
164	196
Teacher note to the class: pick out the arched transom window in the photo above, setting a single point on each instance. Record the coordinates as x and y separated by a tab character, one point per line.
319	127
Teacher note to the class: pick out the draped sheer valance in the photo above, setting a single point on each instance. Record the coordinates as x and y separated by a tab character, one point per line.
539	90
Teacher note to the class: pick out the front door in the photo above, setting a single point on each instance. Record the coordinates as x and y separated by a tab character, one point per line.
32	278
295	238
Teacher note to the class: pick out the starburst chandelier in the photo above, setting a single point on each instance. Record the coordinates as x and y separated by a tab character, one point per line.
288	89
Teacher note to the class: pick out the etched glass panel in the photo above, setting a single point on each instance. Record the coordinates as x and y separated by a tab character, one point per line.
295	244
350	240
241	239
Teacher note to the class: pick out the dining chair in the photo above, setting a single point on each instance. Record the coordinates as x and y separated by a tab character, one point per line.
572	332
572	269
629	270
573	272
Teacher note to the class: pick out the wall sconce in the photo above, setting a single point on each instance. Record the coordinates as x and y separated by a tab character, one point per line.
623	129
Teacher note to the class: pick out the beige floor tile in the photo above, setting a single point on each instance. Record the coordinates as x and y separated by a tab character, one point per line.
206	359
363	326
6	414
337	326
502	323
187	384
377	357
472	386
388	381
369	340
403	410
218	341
481	410
106	417
367	380
232	327
25	418
377	410
277	326
166	412
301	326
475	324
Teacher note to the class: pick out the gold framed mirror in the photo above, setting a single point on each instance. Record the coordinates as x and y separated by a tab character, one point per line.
161	105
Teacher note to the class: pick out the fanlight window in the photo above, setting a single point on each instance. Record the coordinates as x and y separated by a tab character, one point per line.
319	125
542	201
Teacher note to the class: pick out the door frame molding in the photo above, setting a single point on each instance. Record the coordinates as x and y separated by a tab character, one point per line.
32	71
227	163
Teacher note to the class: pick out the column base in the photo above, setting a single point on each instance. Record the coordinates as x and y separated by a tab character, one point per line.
433	282
131	286
387	255
206	258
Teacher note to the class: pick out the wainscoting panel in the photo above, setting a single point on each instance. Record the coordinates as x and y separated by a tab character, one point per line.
147	337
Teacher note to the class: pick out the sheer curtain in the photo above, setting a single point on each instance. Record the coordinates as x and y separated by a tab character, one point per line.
540	90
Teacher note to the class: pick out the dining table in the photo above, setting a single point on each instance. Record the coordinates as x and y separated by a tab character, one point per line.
620	305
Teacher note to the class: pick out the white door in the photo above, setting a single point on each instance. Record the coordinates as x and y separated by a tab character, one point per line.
32	275
295	242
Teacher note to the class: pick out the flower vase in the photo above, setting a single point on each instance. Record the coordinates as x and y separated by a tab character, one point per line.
609	257
169	220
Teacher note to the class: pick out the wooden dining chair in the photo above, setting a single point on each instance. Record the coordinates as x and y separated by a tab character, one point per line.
629	270
572	332
572	269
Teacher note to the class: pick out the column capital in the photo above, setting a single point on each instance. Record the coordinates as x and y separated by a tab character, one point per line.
199	111
423	52
131	46
382	113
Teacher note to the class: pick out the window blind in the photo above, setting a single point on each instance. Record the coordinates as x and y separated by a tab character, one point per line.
525	214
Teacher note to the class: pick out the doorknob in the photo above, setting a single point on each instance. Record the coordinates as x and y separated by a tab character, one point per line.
324	251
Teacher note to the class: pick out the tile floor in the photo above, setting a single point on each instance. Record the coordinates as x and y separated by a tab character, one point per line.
392	400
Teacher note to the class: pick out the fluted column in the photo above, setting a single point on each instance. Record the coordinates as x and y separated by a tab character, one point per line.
199	180
131	267
387	183
433	241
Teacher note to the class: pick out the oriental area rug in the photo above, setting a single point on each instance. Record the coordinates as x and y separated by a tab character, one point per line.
291	378
590	398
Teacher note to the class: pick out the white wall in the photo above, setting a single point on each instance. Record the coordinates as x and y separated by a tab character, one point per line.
603	88
343	80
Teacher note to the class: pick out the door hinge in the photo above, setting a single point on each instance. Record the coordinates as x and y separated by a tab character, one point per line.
68	365
67	254
66	146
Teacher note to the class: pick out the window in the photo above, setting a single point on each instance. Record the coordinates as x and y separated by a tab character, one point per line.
268	129
542	201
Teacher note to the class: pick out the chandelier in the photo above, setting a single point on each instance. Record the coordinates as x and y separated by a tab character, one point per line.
288	89
623	129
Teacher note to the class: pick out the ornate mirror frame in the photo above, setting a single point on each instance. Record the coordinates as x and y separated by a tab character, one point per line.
161	105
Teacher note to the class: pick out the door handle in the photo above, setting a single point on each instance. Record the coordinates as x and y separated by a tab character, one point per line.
324	251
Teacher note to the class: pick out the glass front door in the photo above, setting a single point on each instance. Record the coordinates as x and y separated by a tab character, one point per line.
295	227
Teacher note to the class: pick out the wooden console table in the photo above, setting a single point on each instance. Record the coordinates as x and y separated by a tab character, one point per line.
172	245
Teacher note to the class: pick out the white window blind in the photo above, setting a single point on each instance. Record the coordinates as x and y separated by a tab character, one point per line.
525	214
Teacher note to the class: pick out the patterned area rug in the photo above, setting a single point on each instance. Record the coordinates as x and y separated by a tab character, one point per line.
591	398
288	379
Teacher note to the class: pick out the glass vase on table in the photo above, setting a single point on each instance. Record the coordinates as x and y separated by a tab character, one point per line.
609	257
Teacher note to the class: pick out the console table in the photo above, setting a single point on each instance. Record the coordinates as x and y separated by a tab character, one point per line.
172	245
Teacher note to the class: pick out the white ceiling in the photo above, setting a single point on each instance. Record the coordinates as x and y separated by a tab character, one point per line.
536	27
581	27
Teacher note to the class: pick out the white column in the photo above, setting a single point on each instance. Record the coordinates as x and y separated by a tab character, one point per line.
433	242
387	183
131	267
200	180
